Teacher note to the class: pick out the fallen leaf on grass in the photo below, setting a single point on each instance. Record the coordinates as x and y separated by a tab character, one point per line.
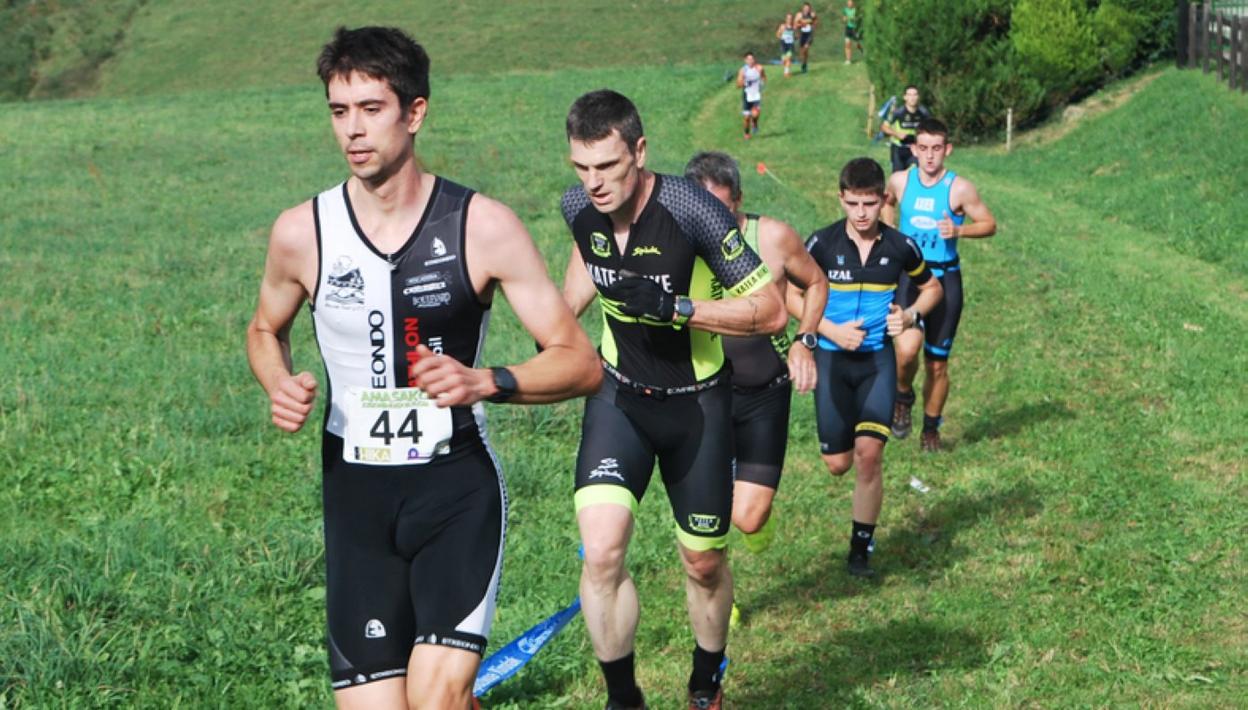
1193	327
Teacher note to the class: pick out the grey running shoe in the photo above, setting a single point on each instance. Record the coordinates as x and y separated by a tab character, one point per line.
929	441
901	418
706	700
859	566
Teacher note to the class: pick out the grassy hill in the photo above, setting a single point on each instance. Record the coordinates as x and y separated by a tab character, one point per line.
1082	543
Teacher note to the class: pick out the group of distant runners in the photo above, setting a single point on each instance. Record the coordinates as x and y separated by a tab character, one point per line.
797	27
694	370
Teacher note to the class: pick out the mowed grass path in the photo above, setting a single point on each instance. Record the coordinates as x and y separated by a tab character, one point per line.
1081	546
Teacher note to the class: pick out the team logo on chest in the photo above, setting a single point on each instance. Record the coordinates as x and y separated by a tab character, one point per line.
437	252
600	245
345	285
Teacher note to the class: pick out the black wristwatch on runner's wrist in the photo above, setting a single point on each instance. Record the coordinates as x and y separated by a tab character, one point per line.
808	340
505	382
683	310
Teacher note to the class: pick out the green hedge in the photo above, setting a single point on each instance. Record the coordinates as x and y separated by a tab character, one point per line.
974	59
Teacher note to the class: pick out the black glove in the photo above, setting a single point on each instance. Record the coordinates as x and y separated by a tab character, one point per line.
643	298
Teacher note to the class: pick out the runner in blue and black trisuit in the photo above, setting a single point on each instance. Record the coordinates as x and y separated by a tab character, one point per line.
933	203
864	262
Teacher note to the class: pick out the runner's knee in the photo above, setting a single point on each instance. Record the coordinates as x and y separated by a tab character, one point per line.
704	568
838	464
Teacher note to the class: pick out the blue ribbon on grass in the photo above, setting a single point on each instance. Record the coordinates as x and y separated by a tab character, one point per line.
508	660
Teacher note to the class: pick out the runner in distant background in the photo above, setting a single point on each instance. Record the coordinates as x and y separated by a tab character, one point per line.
785	33
750	79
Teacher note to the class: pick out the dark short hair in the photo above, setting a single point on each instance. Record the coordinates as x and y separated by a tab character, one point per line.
909	87
748	54
933	127
384	53
862	175
593	116
716	168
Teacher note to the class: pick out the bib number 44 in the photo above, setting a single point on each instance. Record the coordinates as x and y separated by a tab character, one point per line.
394	427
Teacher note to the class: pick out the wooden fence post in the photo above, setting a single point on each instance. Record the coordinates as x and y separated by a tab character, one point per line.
1204	38
1009	127
1236	42
1242	22
1180	39
1221	24
1193	20
870	112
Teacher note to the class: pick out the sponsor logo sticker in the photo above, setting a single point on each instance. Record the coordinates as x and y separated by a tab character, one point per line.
599	244
733	244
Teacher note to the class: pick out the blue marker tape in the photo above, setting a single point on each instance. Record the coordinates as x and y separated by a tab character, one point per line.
508	660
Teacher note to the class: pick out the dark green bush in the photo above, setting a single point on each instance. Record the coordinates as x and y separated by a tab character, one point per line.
974	59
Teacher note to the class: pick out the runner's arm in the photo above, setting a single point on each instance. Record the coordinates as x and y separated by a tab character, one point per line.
964	196
578	290
282	292
503	252
741	78
930	290
801	272
896	188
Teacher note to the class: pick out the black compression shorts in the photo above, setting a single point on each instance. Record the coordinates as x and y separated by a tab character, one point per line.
760	422
940	326
805	38
412	555
690	434
854	396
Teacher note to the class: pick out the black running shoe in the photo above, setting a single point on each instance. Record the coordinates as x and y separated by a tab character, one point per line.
859	565
929	441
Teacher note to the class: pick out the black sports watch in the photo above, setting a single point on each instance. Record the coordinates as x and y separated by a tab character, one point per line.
684	310
506	384
808	340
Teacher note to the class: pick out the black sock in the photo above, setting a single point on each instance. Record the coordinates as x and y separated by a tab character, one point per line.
906	398
931	423
860	538
705	675
621	681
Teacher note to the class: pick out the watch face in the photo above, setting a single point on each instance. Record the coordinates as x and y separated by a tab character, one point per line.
809	340
684	307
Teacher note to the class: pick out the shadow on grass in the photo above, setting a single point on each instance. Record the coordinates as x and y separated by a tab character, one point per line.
1000	423
839	663
916	550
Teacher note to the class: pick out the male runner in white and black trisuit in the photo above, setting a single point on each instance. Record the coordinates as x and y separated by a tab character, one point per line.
931	204
750	79
399	267
673	274
807	20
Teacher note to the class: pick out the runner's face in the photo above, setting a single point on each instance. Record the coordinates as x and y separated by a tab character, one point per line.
912	99
862	209
931	152
749	60
608	171
374	132
722	193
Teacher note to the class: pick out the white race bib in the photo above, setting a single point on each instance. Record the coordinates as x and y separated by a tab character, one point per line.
394	427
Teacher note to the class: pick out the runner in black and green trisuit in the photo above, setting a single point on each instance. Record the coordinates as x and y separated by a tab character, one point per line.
901	126
864	261
765	369
674	275
853	29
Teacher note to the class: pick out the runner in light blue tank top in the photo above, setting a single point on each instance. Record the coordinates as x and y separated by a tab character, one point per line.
922	209
935	215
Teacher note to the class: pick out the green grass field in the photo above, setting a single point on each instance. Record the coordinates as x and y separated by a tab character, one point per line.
1082	545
